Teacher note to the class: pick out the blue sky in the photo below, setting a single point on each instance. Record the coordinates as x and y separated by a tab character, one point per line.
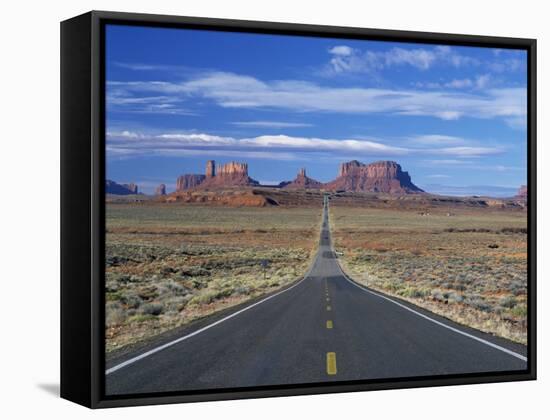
453	117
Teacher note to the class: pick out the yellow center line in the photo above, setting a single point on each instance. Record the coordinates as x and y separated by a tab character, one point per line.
329	324
329	308
331	363
328	300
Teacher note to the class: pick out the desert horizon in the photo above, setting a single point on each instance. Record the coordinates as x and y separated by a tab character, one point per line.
383	176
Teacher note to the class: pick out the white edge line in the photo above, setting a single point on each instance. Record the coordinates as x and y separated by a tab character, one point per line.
456	330
207	327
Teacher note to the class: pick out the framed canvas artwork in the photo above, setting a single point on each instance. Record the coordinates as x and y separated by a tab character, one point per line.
255	209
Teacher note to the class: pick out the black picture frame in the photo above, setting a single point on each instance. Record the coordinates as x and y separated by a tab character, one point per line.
83	207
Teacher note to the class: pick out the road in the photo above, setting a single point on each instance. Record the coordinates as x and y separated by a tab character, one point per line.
323	328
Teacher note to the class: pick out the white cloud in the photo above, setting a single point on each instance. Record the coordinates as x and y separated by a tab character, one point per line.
350	60
130	143
479	82
198	139
519	123
364	146
437	139
271	124
420	58
468	151
341	50
507	65
117	152
120	98
438	176
231	90
347	59
459	83
469	164
483	81
445	162
448	115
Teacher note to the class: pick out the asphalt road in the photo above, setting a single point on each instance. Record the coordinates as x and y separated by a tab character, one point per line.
323	328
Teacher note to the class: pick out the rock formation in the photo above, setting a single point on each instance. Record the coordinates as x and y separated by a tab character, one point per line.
210	168
161	190
348	167
189	181
232	198
132	187
522	192
232	174
382	176
111	187
302	181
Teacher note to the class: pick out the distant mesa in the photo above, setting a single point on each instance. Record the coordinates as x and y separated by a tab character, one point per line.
381	177
521	195
161	190
232	174
189	181
111	187
522	192
302	181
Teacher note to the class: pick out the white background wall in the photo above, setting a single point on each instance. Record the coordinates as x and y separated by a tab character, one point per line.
29	174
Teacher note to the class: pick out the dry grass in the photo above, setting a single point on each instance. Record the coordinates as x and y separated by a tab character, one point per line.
469	265
167	265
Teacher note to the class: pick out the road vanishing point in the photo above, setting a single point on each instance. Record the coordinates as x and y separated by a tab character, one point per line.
324	328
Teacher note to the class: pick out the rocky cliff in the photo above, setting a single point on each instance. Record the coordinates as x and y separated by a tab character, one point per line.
160	190
382	176
232	174
522	192
189	181
302	181
111	187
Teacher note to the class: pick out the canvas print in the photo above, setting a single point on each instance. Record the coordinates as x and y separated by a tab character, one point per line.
293	210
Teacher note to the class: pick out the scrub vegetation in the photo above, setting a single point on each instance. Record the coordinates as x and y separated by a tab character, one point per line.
469	265
170	264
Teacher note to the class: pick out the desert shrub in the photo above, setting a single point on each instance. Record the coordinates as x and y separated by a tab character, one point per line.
455	297
437	295
392	286
177	303
519	311
508	302
204	298
480	305
114	314
242	290
113	296
131	300
139	318
152	309
513	230
412	292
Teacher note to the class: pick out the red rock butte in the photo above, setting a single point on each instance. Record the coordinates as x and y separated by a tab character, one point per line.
231	174
111	187
522	192
383	176
188	181
302	181
160	190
